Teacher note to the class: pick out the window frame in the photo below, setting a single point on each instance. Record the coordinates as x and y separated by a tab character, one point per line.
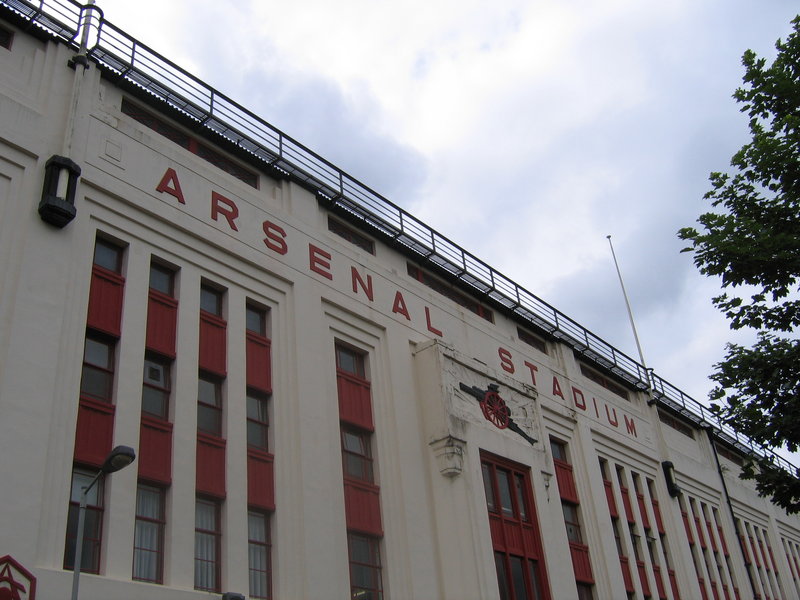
160	524
358	358
364	459
168	272
374	567
94	514
204	407
166	391
107	371
208	292
216	535
256	424
266	546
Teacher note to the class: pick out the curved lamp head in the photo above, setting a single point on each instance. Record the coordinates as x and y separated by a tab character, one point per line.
119	458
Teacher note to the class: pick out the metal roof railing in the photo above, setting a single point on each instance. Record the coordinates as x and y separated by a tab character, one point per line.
136	65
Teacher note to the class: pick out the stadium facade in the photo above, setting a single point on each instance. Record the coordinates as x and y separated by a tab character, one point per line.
327	399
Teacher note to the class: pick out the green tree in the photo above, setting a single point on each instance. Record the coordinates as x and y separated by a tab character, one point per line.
752	241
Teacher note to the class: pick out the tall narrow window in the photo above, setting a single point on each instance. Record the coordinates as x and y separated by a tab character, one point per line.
520	570
162	279
209	405
259	554
207	536
148	540
108	255
356	455
97	378
93	523
365	567
156	386
211	300
257	421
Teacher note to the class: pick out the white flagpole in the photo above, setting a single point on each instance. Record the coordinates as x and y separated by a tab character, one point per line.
630	313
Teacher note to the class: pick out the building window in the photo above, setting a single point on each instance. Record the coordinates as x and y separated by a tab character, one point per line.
572	523
559	450
351	235
207	537
350	361
365	567
156	387
258	540
148	541
449	291
532	340
189	143
257	421
605	382
93	523
108	256
676	424
162	279
256	320
211	300
510	505
356	455
6	37
209	405
97	377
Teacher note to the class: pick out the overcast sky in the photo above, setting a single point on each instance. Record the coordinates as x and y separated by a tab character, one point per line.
525	131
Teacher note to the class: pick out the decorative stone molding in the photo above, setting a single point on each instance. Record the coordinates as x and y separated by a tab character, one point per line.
449	452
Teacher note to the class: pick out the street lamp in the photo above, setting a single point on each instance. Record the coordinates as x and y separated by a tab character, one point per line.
119	458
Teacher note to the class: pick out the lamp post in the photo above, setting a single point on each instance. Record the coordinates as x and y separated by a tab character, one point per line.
119	458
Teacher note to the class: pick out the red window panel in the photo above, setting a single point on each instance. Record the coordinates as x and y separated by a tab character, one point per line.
714	590
626	503
722	540
94	432
660	589
162	318
105	301
700	533
260	480
755	552
673	583
612	502
657	515
702	583
711	537
643	577
643	511
362	507
772	558
626	574
726	592
688	528
566	481
736	593
355	406
155	450
743	543
763	555
210	472
259	375
212	344
581	564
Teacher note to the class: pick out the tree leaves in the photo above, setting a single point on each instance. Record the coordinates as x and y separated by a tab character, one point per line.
752	243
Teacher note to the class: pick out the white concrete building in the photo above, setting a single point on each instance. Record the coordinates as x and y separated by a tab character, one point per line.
327	399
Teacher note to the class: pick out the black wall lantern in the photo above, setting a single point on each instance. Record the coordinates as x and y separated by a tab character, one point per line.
669	475
57	206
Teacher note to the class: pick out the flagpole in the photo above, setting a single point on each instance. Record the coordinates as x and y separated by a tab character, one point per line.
630	313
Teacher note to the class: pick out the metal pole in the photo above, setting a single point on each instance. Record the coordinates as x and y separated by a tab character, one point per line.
630	312
76	564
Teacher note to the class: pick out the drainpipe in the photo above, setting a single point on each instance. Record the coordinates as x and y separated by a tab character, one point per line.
739	536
